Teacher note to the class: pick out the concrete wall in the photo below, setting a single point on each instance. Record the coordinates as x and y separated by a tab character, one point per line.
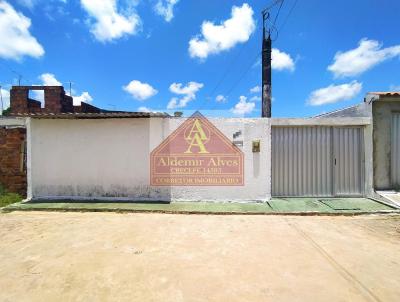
359	110
382	111
110	158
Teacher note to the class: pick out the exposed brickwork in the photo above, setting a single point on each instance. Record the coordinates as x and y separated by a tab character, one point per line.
12	140
34	106
87	108
67	104
19	100
55	101
12	160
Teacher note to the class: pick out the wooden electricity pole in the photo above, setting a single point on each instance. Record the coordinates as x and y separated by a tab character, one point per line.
266	70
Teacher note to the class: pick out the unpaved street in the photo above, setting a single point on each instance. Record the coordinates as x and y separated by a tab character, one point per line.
158	257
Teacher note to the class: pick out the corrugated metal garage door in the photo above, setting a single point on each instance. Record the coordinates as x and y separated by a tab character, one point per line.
303	161
348	157
395	150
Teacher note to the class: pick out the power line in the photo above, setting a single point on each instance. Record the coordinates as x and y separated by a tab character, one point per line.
267	16
234	59
243	74
222	78
19	75
279	10
264	13
240	78
288	15
234	86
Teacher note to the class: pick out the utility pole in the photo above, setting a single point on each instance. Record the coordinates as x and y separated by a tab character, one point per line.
1	100
266	70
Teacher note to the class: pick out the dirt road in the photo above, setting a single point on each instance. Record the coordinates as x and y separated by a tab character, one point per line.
159	257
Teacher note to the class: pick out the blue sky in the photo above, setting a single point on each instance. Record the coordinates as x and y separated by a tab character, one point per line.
183	55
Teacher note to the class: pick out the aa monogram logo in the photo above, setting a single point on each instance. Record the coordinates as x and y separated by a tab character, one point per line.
196	154
196	137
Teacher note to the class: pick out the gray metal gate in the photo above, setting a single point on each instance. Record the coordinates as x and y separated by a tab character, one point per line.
395	150
317	161
348	158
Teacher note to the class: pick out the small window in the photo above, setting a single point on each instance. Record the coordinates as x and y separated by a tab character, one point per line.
37	95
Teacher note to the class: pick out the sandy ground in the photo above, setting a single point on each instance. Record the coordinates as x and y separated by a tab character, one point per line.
159	257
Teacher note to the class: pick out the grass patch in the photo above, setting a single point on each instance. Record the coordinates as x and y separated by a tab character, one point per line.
309	206
7	198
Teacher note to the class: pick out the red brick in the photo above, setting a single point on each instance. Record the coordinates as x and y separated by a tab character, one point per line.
11	177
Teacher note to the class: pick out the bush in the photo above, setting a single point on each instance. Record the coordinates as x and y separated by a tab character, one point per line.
8	198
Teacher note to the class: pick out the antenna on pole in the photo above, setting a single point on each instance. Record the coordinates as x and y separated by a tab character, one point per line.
70	87
19	79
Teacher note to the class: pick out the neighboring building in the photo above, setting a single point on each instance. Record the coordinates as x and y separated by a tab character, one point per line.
384	107
86	152
13	146
386	127
55	101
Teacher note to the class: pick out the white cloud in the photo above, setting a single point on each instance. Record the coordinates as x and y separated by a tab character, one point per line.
255	89
255	98
5	94
217	38
27	3
140	91
189	93
144	109
48	79
165	8
394	88
84	97
368	54
108	23
31	3
281	60
15	39
220	98
334	93
243	107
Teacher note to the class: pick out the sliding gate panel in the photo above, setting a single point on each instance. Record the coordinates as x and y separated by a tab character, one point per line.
302	161
395	151
348	154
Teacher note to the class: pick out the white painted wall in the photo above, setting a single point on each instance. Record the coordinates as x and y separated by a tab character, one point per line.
109	158
11	121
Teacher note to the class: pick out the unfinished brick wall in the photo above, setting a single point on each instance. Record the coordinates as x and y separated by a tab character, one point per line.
55	101
13	160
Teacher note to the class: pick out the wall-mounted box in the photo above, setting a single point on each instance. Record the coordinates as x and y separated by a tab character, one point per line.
256	146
